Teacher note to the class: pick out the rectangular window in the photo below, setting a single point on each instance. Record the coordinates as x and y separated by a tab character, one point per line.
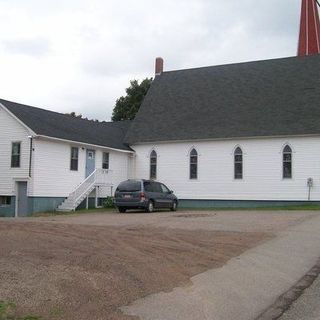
105	160
287	166
153	171
153	165
194	167
238	164
238	167
15	155
5	201
74	159
193	171
238	171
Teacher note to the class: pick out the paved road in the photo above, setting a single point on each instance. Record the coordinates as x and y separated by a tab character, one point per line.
307	307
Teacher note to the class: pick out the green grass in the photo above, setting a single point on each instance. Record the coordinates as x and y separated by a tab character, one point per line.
307	207
72	213
8	312
267	208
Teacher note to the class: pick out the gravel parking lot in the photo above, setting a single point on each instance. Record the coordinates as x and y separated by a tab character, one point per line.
87	266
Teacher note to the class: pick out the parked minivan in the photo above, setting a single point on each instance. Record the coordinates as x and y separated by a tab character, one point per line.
144	194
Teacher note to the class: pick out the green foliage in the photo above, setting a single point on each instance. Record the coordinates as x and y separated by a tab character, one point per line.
74	115
127	106
108	202
8	312
80	116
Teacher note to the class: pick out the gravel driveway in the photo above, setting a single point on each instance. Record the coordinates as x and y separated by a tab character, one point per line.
87	266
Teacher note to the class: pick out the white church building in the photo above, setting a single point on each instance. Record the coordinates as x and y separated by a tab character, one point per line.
243	135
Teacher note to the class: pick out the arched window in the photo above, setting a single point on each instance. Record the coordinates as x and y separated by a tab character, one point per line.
153	165
238	164
287	162
193	164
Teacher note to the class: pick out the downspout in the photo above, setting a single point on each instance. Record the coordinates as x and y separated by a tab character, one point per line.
30	156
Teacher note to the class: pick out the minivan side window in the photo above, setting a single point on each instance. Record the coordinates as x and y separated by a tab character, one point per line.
164	189
147	186
156	187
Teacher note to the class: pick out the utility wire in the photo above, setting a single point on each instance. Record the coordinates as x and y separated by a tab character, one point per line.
318	3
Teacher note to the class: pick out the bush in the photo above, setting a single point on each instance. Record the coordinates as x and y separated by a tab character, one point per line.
108	202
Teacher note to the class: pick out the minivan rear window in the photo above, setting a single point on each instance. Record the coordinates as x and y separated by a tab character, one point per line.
129	186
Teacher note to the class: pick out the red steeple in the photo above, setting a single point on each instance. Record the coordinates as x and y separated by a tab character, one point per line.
309	39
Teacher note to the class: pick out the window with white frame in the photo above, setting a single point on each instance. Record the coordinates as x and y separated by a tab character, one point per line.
74	159
238	164
153	165
105	160
16	155
287	162
193	174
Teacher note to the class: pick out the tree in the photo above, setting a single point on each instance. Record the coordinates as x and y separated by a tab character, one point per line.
80	116
127	106
74	115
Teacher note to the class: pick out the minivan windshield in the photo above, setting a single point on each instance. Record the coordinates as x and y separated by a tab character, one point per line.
129	186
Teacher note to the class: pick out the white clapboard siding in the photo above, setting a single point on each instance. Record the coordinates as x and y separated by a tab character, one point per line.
262	169
12	131
52	175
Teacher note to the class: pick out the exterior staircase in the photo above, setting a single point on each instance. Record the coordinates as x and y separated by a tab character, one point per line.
98	178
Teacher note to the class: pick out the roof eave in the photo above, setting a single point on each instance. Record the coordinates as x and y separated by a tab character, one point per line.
82	143
227	139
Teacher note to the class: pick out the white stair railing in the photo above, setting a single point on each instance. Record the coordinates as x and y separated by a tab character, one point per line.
83	187
99	177
103	177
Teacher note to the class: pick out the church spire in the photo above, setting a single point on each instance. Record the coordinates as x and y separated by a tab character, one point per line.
309	38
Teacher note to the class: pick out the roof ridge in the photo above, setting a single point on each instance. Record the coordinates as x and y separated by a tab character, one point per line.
4	101
239	63
228	101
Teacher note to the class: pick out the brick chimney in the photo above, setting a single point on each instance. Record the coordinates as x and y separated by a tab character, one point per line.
309	38
159	66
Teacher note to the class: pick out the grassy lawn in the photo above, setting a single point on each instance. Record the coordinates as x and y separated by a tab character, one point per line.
77	212
311	207
276	208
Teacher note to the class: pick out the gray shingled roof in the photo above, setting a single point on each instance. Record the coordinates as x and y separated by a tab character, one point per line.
58	125
264	98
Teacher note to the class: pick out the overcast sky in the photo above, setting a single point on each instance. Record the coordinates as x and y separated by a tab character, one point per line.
79	55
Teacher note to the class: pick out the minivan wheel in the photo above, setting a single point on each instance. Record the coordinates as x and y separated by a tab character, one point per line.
174	206
150	207
122	210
